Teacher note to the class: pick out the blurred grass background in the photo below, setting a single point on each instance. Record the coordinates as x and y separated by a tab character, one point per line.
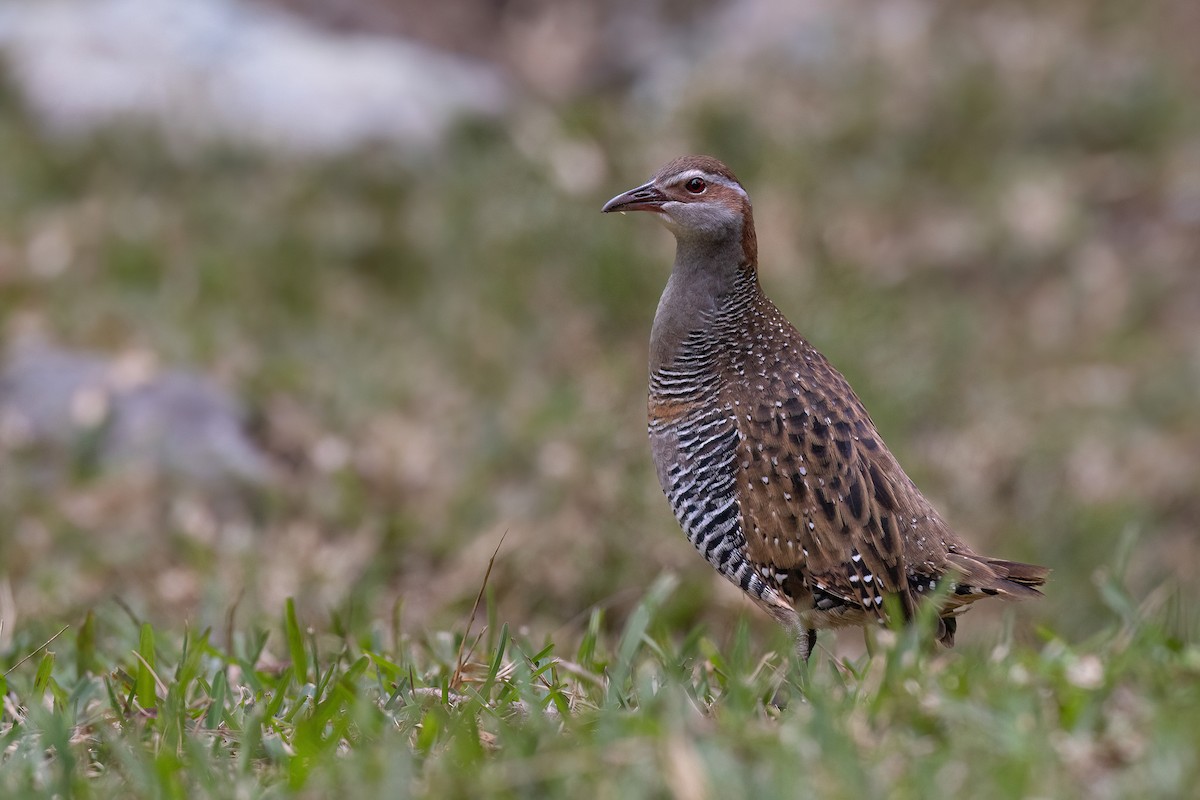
987	217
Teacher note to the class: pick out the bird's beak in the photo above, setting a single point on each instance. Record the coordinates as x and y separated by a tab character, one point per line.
644	198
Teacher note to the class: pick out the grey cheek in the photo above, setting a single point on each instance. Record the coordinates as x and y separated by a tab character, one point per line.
713	217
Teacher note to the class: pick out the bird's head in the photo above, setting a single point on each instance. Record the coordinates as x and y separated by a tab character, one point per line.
699	199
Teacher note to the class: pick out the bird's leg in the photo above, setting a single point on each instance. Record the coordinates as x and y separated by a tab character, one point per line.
785	615
806	640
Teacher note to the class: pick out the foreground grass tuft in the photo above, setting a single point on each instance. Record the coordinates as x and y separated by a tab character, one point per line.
115	707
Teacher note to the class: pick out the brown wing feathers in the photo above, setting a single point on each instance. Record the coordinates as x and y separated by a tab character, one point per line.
823	497
814	498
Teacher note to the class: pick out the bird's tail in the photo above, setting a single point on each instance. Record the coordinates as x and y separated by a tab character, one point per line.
995	576
981	577
1018	580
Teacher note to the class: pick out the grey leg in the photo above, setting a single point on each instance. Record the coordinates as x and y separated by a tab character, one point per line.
805	643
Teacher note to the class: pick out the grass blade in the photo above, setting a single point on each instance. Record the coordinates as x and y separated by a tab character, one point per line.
295	641
144	683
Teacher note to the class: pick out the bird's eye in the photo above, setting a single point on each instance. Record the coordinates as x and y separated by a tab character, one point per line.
696	185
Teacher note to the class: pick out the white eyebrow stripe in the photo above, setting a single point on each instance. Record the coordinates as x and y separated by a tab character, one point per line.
684	177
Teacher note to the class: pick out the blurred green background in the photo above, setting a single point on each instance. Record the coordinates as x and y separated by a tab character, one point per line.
987	216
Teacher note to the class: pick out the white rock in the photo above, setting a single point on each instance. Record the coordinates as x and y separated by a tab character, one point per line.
205	70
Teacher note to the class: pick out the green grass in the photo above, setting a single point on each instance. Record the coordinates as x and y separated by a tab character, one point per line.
118	708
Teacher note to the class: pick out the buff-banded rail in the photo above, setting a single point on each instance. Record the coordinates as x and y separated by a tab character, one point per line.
773	468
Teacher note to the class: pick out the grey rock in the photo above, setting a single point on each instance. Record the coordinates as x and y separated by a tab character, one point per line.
179	424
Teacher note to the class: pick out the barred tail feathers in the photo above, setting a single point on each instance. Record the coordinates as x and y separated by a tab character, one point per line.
995	576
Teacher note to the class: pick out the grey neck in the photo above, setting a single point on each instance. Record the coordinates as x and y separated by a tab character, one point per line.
702	278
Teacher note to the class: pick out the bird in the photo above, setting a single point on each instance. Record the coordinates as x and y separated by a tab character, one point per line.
772	466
